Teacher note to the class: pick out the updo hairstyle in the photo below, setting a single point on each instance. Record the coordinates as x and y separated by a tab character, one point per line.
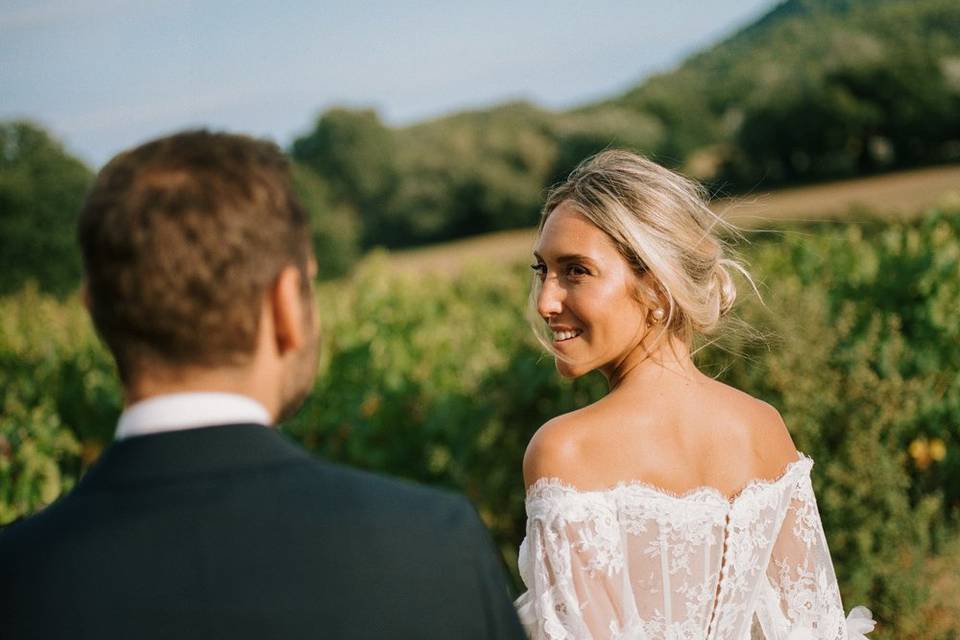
661	224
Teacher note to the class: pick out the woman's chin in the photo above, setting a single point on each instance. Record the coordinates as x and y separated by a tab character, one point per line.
570	370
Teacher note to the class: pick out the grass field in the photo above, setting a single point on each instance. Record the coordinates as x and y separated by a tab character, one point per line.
904	193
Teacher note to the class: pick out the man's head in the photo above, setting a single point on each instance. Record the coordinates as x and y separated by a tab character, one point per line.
197	258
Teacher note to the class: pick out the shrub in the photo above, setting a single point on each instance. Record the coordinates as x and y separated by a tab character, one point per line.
60	399
437	378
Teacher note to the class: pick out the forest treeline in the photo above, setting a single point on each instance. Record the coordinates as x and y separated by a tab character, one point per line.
813	90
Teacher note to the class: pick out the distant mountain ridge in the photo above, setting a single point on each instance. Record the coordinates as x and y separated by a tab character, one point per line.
798	41
812	90
803	8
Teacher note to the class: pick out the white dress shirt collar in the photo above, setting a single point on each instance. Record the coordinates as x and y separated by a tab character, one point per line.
177	411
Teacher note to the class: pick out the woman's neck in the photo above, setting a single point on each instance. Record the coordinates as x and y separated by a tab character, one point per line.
642	364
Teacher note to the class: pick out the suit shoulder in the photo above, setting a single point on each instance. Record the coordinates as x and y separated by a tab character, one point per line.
389	493
28	542
11	532
30	528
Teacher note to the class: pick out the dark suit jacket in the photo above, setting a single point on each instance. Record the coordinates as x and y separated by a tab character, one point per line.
234	532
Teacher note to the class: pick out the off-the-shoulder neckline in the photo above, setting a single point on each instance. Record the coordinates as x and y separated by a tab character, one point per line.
547	482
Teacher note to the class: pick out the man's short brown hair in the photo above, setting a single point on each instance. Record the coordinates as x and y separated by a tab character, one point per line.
181	238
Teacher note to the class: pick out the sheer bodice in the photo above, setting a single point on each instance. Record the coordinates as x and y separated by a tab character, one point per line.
634	561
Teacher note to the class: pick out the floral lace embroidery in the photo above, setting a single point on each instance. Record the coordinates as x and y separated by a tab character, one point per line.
634	561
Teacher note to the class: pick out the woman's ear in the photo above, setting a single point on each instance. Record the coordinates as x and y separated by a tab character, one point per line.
654	299
649	291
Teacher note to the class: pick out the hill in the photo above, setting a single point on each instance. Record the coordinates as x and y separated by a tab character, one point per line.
813	90
903	194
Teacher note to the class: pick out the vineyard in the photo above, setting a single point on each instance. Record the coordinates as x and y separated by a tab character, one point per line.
434	376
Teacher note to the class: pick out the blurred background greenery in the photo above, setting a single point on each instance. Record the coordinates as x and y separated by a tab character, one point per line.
429	370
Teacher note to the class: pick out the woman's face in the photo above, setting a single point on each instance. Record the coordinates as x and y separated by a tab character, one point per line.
587	295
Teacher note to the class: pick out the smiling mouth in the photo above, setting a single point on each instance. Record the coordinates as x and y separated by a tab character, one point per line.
563	336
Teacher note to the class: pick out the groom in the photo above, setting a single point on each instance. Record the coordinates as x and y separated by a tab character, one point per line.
200	520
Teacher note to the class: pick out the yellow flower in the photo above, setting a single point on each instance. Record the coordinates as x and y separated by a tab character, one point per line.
938	450
919	450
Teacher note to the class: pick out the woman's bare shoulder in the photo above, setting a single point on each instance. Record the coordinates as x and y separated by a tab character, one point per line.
773	445
555	450
734	436
771	448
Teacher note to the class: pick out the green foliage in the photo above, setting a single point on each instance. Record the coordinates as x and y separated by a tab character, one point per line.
33	445
41	191
464	174
857	116
354	152
816	89
350	148
864	366
442	383
468	173
580	134
334	227
475	172
60	399
437	378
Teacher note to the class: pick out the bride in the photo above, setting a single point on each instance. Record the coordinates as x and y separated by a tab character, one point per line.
676	506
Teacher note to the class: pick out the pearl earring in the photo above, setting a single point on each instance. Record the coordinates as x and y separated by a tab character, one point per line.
658	314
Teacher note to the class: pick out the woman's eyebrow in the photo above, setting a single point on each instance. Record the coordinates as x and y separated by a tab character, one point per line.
567	257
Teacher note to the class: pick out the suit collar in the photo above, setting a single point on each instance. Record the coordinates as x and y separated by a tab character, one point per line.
192	452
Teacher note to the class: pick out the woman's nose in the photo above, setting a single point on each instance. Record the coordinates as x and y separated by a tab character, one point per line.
550	298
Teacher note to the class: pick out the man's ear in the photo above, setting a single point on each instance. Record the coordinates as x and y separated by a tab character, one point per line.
288	311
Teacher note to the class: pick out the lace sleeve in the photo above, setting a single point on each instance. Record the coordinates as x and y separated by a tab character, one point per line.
805	599
572	565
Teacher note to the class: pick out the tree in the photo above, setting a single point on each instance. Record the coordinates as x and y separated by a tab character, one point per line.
813	129
41	191
335	230
471	172
920	112
353	152
581	134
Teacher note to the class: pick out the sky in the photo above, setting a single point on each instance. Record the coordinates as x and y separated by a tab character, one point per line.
104	75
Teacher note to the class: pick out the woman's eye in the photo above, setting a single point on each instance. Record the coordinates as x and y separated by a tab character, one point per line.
576	271
539	268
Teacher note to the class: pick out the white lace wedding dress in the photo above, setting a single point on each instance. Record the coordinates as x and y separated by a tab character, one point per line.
634	561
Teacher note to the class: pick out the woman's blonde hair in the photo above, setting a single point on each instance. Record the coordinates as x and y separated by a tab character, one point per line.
661	224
